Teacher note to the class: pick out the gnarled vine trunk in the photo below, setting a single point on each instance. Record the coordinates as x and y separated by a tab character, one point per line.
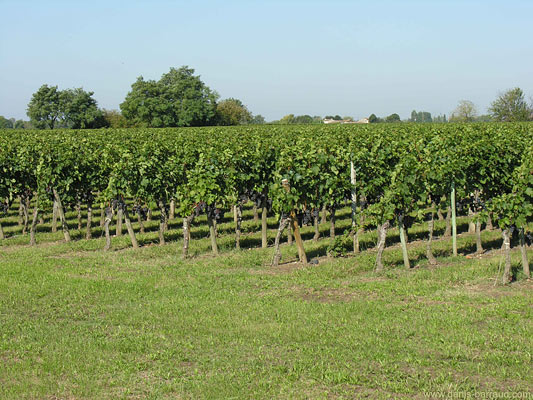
316	236
187	221
54	217
25	201
131	232
448	230
88	228
429	251
523	253
507	256
256	215
78	209
140	222
61	212
107	220
162	221
264	226
34	222
120	216
332	219
283	223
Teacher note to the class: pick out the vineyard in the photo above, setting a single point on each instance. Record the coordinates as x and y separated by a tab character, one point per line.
266	262
389	175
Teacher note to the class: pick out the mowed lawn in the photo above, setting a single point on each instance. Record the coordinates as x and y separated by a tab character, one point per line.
77	322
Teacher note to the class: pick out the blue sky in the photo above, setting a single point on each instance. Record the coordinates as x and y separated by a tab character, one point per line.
278	57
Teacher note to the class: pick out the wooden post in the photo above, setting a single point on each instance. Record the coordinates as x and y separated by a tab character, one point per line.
353	181
454	221
403	242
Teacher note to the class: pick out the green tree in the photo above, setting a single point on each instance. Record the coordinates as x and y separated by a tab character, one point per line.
303	119
80	110
257	119
114	119
232	112
20	124
287	119
464	112
511	106
420	116
5	123
45	107
393	118
373	119
179	98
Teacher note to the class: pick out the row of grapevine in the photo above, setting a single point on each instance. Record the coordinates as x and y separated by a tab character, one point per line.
400	173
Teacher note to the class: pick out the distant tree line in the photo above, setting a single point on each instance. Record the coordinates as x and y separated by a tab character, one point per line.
180	98
13	123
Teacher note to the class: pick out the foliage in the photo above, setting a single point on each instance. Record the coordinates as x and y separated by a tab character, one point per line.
464	112
393	118
420	116
45	107
232	112
70	108
511	106
179	98
340	246
114	119
81	110
400	169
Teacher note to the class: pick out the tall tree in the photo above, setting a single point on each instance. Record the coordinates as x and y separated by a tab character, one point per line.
511	106
179	98
393	118
5	123
232	112
464	112
81	110
45	107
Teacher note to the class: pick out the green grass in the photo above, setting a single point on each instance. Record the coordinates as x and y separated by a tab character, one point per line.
76	322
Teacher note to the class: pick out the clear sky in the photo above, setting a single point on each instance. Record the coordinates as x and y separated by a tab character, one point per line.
278	57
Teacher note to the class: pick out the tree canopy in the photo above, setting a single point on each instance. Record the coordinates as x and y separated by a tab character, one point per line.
464	112
232	112
45	107
179	98
420	116
511	106
50	108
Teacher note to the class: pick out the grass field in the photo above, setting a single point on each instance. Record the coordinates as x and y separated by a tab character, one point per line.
77	322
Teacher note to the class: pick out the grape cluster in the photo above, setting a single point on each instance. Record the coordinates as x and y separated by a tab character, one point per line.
515	231
117	204
470	203
141	211
199	208
259	199
86	197
528	236
214	213
4	207
307	217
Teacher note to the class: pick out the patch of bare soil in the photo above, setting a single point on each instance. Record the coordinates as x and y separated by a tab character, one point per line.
324	295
